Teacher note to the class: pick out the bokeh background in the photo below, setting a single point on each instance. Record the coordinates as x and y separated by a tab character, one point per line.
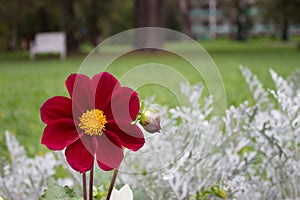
260	34
90	21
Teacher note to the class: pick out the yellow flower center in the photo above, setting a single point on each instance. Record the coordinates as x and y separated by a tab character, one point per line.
93	122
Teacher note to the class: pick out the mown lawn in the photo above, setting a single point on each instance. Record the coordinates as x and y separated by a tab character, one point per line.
25	85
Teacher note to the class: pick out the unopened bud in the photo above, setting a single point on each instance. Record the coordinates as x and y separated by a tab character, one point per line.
150	120
222	194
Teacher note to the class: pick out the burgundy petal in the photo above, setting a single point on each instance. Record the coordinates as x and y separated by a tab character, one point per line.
79	157
57	107
130	135
109	152
60	134
104	84
80	89
124	105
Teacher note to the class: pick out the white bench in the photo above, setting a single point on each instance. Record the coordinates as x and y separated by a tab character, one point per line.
49	42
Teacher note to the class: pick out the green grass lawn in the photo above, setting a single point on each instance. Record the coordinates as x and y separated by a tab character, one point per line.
25	85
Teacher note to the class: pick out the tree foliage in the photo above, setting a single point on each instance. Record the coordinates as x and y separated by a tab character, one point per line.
281	12
80	19
242	19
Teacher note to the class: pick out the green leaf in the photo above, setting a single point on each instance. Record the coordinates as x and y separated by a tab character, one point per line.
57	192
245	149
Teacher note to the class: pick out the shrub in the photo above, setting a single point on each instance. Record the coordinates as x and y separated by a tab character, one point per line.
250	153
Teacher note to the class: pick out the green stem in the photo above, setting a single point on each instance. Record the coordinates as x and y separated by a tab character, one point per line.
84	185
112	183
91	183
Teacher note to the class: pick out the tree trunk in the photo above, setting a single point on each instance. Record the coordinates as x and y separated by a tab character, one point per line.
13	42
241	20
92	18
70	27
186	21
284	30
45	23
149	13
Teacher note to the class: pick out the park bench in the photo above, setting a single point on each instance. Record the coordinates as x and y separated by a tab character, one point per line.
49	42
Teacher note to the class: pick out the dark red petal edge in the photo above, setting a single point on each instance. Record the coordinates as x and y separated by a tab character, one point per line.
124	105
130	135
104	84
79	157
109	153
57	107
60	134
81	92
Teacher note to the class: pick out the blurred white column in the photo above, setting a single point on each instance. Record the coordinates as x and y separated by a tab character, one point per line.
212	18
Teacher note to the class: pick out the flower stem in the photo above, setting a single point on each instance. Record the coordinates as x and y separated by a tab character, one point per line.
112	183
84	185
91	183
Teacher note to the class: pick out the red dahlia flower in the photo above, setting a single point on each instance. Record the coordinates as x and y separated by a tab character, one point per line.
94	123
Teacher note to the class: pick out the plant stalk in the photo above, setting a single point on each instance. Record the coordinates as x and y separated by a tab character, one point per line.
91	183
84	186
112	183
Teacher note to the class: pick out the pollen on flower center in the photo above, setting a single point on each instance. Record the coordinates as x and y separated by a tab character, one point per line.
93	122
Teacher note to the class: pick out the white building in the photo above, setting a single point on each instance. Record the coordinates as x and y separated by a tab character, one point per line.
212	18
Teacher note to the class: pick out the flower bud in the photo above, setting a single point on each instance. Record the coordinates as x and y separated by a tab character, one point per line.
222	194
150	120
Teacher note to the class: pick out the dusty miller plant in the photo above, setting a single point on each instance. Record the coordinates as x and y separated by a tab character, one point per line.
251	153
23	177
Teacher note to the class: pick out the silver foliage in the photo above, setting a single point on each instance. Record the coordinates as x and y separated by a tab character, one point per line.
252	151
23	177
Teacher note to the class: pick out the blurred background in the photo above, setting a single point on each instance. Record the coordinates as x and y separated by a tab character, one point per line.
91	21
259	34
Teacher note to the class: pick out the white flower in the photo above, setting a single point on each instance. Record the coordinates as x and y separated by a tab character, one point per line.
125	193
